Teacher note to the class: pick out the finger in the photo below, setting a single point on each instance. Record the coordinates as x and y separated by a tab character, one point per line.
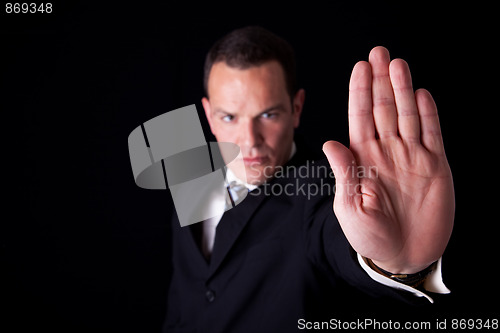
406	106
343	166
384	107
431	136
361	126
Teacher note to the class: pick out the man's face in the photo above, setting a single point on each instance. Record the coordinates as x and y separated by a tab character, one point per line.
252	108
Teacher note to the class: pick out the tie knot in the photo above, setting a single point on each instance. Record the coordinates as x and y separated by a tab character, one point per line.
237	192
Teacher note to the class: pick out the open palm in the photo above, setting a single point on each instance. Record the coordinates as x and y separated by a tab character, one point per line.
394	189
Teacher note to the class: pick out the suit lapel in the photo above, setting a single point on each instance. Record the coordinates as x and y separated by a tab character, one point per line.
233	221
190	236
230	226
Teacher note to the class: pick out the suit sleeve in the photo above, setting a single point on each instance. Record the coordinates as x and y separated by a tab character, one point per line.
328	249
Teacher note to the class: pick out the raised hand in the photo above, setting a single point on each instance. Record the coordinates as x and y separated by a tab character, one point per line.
397	207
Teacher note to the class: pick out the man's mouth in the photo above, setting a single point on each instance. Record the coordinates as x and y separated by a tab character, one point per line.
255	160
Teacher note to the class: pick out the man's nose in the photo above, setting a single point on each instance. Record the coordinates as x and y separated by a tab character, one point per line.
251	134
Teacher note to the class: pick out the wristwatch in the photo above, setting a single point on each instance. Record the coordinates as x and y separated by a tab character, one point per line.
413	280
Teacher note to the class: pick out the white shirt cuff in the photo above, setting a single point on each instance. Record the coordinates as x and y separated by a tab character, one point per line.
433	283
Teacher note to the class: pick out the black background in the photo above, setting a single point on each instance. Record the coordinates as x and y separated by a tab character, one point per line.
84	249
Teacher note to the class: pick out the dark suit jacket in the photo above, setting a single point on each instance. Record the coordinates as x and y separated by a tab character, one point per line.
277	258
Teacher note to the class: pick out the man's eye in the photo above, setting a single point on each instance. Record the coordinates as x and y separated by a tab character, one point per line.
268	115
228	118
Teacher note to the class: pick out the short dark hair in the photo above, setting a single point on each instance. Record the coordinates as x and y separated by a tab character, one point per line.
252	46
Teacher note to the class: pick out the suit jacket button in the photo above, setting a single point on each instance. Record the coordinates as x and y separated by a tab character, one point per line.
210	295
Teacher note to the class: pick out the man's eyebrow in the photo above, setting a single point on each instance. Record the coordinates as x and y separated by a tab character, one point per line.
219	110
277	107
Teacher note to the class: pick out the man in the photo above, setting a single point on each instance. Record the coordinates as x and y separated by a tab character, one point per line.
281	256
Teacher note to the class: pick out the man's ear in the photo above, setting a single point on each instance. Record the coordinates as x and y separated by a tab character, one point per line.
208	112
298	104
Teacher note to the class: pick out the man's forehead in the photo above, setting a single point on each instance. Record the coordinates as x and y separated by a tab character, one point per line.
222	70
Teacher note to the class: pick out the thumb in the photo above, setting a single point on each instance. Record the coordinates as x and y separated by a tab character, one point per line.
344	168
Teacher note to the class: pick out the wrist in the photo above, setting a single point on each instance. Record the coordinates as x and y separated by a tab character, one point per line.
400	269
413	279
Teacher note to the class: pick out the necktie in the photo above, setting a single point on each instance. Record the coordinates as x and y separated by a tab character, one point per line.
236	193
